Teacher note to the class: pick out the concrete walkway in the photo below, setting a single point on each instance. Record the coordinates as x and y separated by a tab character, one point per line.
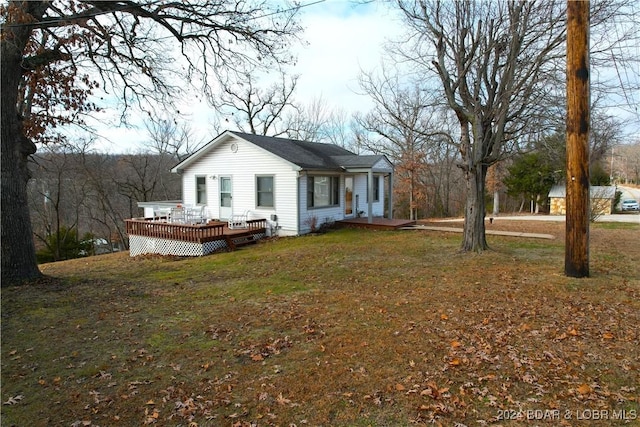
626	217
494	232
631	217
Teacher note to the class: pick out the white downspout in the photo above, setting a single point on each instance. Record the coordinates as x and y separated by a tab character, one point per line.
391	195
370	196
299	197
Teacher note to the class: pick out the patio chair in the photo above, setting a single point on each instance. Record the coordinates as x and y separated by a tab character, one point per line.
195	215
177	215
160	214
238	221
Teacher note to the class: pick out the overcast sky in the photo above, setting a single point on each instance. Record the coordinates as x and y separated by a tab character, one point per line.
342	37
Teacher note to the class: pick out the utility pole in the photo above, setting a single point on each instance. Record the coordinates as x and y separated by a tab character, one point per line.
576	260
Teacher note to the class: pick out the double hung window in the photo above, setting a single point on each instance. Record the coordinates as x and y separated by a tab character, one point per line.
264	191
323	191
201	190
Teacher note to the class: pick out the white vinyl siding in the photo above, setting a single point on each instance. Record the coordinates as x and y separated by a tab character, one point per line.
383	166
243	166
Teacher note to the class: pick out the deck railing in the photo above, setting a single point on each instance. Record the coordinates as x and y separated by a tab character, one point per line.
197	233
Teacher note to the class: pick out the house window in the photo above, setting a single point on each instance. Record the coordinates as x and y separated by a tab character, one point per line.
201	190
323	191
264	191
376	189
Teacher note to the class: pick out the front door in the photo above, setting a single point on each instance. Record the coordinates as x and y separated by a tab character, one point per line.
225	197
348	196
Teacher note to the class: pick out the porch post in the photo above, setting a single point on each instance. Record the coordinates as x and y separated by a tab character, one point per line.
390	195
370	196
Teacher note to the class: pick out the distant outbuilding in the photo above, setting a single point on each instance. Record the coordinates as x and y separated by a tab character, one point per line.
602	199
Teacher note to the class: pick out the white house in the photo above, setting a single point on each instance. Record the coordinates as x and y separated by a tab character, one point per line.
295	185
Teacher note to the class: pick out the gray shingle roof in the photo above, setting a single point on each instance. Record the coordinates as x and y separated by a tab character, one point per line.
310	155
304	154
358	161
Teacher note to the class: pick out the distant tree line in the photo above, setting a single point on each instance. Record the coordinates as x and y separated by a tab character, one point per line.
79	200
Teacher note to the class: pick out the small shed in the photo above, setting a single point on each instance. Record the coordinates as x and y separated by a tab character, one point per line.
602	199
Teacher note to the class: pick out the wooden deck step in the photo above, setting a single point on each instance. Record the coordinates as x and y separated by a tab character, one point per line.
235	241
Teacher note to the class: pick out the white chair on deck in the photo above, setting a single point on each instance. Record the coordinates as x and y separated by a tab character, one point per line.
195	215
160	214
238	221
178	215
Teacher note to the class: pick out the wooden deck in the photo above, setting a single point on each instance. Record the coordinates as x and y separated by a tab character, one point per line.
199	233
153	236
376	224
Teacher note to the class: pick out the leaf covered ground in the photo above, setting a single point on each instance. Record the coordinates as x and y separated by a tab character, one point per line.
347	328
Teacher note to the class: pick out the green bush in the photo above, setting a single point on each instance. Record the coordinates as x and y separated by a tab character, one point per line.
65	245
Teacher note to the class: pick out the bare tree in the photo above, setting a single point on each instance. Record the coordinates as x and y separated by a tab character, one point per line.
107	207
144	175
489	58
606	132
309	122
625	163
315	121
341	129
444	182
57	193
169	137
404	125
125	44
500	68
254	109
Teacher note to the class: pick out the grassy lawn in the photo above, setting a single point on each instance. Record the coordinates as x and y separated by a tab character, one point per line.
347	328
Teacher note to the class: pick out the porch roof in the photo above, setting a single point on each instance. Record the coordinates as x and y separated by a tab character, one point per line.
364	162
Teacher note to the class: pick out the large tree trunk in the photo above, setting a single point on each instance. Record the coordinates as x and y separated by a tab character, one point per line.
18	250
474	238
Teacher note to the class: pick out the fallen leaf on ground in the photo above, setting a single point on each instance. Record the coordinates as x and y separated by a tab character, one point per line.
14	400
584	389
